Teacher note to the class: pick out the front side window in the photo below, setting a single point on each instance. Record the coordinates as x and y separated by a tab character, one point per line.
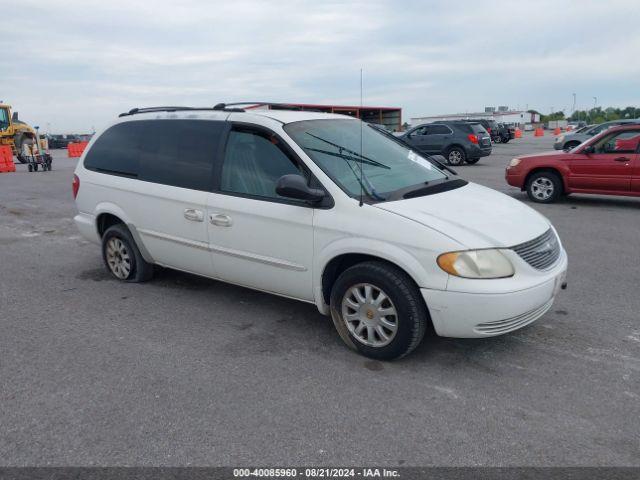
253	163
621	142
342	147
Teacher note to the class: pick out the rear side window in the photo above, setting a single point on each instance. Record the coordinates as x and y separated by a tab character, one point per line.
439	130
115	152
179	153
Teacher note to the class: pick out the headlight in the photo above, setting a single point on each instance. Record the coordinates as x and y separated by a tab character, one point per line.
476	264
514	162
560	138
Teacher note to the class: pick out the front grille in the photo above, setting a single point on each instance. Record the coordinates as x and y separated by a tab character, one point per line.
541	252
507	325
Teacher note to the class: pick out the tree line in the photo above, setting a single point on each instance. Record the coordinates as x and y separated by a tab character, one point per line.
594	115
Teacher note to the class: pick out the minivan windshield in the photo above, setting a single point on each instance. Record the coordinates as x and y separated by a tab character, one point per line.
342	147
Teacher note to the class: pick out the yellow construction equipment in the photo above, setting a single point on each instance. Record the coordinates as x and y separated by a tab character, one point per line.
23	139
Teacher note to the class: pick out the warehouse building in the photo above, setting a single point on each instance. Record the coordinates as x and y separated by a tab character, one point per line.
389	117
519	118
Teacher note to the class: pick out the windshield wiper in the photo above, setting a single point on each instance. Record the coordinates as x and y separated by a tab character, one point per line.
349	157
369	188
345	149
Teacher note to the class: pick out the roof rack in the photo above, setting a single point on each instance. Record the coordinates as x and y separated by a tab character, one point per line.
227	107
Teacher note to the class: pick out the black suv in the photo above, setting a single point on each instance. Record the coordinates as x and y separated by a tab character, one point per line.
457	141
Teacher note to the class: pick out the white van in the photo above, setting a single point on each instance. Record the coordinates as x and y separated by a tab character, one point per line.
320	208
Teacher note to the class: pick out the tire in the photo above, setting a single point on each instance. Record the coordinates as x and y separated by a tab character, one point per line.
456	156
570	145
30	168
544	187
498	139
35	167
19	141
506	139
121	256
371	280
472	161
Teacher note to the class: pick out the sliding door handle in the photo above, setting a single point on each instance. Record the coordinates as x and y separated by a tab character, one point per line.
220	219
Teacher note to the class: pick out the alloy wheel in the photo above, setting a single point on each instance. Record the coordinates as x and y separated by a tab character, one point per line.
542	188
455	157
118	258
370	315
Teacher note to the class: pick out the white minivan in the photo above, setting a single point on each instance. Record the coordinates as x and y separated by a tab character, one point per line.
321	208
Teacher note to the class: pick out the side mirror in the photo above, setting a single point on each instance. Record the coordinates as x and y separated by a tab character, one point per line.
295	186
589	149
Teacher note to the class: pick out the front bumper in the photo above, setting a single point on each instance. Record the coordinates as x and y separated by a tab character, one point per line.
515	177
558	146
475	315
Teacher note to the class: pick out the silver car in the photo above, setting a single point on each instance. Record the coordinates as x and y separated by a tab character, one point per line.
570	140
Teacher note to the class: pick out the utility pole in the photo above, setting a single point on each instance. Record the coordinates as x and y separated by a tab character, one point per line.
573	109
595	102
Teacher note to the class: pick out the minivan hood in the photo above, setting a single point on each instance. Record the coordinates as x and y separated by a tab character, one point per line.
473	215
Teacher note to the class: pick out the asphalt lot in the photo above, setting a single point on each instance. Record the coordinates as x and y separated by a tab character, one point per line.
188	371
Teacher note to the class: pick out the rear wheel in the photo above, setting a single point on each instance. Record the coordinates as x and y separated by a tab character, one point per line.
122	257
497	139
456	156
378	310
544	187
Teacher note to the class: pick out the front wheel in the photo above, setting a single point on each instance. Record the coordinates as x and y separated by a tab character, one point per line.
497	139
456	156
378	310
544	187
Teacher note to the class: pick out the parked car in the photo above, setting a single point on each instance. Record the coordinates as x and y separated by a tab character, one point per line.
607	164
491	126
504	133
577	124
457	141
572	139
319	208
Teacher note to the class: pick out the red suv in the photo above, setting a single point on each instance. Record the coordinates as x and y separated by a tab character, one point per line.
607	164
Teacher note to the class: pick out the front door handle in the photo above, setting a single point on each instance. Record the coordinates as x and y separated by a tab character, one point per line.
220	219
194	215
621	159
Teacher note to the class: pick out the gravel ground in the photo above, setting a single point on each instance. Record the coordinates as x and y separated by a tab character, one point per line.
189	371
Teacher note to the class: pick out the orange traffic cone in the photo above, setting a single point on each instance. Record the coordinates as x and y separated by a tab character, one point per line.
6	160
557	131
539	132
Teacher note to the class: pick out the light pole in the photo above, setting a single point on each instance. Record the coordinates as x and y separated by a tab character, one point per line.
595	102
573	109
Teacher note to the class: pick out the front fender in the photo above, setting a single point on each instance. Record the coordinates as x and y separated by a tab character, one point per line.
410	260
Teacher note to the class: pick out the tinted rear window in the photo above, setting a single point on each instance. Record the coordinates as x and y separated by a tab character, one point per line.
179	153
477	128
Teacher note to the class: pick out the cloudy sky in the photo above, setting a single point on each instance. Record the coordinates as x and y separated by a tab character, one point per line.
72	65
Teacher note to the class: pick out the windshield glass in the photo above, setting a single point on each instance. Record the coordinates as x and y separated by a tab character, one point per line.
4	119
387	166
